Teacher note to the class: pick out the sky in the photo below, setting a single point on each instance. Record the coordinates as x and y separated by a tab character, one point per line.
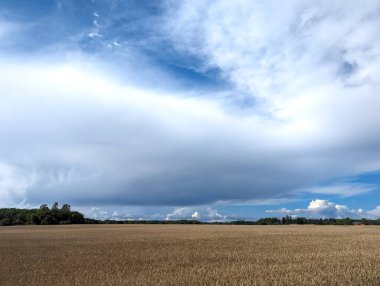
210	110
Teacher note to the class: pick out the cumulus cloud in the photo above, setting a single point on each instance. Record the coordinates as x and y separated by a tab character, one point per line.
214	215
120	213
107	213
201	213
375	212
181	213
196	215
324	208
96	213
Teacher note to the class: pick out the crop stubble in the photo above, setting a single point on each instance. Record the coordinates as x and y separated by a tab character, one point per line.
189	255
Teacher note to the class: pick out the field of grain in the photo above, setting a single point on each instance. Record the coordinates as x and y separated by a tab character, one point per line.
189	255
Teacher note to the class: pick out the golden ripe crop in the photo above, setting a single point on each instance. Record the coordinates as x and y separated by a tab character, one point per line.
189	255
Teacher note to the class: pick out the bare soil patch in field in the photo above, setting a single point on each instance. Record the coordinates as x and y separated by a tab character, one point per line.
189	255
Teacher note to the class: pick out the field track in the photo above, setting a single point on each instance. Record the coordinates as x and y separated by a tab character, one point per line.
189	255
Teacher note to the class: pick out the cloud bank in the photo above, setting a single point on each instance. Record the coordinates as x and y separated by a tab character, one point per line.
75	129
326	209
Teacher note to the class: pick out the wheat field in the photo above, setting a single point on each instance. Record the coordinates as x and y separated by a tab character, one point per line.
189	255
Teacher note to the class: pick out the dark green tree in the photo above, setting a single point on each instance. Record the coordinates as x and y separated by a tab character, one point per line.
66	208
49	220
44	207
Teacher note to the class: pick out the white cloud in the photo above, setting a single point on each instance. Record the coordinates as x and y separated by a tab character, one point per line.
94	35
262	45
196	215
375	212
323	208
181	213
207	214
119	212
312	65
96	213
214	215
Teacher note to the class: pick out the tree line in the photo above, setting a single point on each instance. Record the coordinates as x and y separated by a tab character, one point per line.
41	216
263	221
302	220
55	215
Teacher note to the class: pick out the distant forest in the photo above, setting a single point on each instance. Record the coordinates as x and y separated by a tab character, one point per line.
55	215
263	221
43	215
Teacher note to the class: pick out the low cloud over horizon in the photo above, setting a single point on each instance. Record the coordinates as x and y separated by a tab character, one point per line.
327	209
190	106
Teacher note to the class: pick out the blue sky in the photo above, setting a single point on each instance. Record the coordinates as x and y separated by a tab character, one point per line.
213	110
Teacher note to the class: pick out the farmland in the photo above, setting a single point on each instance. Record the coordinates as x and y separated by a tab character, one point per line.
189	255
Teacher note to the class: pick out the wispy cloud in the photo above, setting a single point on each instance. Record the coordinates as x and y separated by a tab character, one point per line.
343	190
